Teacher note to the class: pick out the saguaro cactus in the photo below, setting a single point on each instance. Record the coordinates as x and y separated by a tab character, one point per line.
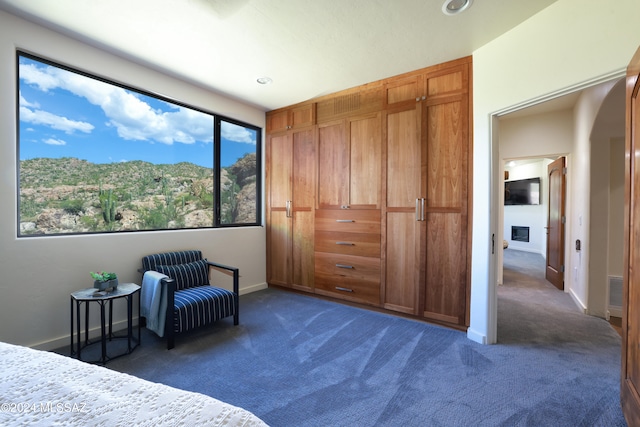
108	205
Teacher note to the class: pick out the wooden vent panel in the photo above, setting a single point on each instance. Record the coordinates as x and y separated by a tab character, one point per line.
350	104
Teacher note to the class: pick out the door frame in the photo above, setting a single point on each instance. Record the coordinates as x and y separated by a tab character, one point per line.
496	179
629	393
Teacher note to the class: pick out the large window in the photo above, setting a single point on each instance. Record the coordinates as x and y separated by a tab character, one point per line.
95	156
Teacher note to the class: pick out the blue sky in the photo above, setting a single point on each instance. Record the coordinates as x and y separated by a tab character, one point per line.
64	114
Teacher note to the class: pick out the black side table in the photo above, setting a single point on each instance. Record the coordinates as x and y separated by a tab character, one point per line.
86	297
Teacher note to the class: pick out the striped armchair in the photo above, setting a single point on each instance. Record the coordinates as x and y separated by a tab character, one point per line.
191	300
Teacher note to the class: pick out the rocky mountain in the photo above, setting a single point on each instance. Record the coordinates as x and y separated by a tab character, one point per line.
71	195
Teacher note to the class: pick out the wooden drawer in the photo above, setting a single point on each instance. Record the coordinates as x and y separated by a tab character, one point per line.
349	277
360	244
348	221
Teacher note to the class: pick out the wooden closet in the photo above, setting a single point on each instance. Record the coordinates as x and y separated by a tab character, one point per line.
378	180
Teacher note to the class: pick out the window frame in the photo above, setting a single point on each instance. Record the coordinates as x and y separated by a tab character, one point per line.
217	119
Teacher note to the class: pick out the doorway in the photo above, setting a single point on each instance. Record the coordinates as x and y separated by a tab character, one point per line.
555	128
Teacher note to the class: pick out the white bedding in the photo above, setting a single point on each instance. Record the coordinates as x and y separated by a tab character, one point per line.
43	388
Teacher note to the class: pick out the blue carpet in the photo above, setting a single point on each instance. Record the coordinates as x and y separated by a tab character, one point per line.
296	360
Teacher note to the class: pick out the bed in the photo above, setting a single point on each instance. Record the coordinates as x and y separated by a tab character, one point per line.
44	388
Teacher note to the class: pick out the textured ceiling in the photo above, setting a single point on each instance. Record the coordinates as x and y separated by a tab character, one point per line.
308	47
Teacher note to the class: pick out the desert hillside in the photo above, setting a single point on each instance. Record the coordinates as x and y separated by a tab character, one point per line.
70	195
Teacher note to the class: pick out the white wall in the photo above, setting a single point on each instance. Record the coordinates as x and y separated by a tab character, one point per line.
532	216
589	182
38	274
570	44
616	208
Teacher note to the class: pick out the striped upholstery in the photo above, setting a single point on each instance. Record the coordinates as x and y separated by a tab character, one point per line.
170	258
201	306
195	302
187	275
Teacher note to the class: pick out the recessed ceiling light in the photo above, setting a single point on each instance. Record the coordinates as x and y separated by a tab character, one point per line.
454	7
264	80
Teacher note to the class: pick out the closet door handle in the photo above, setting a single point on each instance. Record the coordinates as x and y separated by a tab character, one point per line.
344	220
288	209
420	209
345	243
344	266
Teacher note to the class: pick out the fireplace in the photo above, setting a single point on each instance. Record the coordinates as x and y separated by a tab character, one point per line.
519	233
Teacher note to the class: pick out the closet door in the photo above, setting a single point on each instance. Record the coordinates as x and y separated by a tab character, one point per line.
446	212
403	209
302	208
279	195
291	185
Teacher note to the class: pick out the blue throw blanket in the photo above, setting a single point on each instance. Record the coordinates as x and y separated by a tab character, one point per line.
153	301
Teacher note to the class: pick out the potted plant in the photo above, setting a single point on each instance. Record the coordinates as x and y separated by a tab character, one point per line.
104	280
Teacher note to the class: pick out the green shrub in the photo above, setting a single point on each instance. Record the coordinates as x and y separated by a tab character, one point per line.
72	206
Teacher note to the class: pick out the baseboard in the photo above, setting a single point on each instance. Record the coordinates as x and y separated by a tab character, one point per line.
578	302
253	288
121	325
477	337
615	311
94	333
531	251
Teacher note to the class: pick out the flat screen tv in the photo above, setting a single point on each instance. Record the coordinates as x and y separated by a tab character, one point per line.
522	192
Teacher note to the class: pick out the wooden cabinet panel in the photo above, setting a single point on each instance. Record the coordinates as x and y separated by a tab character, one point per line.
303	178
279	177
447	150
402	263
279	248
446	260
348	221
302	260
350	163
333	166
404	159
446	82
404	90
277	121
366	162
360	244
303	116
291	118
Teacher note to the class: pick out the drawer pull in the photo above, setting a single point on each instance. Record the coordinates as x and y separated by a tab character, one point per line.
344	220
338	288
345	243
344	266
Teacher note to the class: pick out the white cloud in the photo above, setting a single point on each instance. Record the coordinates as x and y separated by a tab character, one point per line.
39	117
128	113
237	133
25	103
53	141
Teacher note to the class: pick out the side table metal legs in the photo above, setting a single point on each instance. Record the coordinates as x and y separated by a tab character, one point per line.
87	297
